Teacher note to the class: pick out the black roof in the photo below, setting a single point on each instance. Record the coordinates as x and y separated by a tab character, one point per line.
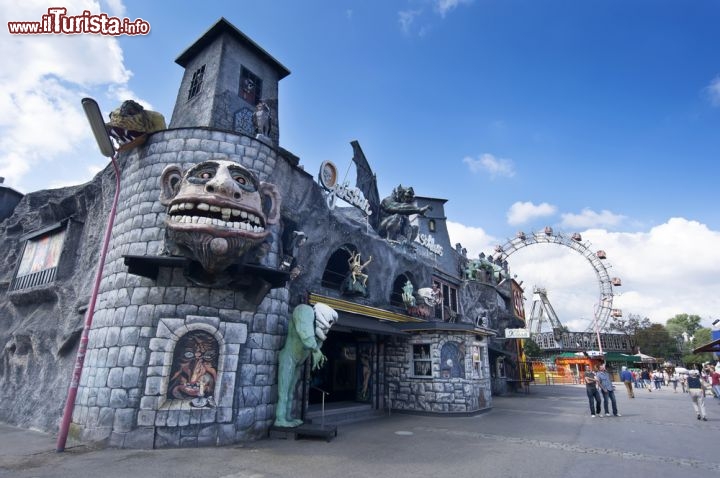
223	26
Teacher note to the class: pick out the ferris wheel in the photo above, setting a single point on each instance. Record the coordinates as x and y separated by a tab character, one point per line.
597	259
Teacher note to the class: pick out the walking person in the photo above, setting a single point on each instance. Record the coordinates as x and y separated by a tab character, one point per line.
714	380
645	376
608	391
626	377
592	391
674	378
697	394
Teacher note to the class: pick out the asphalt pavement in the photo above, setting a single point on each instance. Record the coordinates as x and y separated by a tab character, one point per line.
547	433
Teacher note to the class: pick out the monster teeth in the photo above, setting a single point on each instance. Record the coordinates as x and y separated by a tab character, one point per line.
214	209
243	214
173	208
189	206
235	212
203	207
225	213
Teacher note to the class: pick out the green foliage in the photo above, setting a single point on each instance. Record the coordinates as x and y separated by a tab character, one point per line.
656	341
683	323
702	337
630	325
532	349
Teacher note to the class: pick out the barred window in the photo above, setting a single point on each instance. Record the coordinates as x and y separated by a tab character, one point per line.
40	257
196	82
250	86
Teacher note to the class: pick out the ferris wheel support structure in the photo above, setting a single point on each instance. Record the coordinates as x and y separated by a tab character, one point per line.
597	259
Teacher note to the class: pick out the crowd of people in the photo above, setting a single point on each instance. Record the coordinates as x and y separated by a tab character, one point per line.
697	383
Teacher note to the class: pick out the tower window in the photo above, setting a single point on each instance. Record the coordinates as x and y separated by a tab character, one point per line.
250	86
196	82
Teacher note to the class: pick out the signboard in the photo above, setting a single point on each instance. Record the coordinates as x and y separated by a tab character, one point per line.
328	176
517	334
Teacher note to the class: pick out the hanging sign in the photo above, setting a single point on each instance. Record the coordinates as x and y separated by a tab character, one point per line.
352	195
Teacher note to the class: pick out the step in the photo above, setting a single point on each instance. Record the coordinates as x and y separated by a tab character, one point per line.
339	414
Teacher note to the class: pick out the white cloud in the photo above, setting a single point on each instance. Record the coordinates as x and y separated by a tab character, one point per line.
42	120
442	7
668	270
474	239
416	19
491	164
522	212
407	18
116	8
589	218
713	91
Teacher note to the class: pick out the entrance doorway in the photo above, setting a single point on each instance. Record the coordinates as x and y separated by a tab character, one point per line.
348	374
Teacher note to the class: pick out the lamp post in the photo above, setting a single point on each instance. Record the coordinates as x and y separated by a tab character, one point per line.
94	116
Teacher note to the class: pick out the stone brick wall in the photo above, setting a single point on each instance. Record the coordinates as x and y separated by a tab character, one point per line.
435	394
126	365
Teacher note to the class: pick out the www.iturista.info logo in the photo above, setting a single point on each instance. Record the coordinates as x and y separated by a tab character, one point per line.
57	21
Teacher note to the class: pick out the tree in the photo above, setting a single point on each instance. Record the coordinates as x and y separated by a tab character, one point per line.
532	349
631	325
656	341
683	323
682	328
701	337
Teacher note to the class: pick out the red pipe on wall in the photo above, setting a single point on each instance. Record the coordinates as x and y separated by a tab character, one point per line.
82	349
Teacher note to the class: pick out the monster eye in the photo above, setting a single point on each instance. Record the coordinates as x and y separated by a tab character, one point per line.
208	356
189	355
206	175
243	179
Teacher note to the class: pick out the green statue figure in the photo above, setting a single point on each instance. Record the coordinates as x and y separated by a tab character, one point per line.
306	333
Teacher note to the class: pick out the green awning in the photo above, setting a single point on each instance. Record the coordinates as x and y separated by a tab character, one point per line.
618	357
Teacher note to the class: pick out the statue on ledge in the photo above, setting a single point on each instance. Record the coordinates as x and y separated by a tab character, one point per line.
394	215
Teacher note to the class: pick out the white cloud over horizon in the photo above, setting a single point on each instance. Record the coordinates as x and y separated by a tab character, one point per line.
42	118
408	18
589	218
522	212
666	270
713	91
490	164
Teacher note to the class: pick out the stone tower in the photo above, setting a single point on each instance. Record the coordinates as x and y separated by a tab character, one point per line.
226	75
149	310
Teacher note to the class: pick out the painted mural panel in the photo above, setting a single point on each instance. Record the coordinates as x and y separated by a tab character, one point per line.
452	360
42	253
194	369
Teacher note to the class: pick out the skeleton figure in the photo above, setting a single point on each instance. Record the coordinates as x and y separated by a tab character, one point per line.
356	268
307	331
217	211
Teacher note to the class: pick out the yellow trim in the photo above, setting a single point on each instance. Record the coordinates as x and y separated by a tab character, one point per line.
366	310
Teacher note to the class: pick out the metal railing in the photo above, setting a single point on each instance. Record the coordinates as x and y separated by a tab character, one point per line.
33	279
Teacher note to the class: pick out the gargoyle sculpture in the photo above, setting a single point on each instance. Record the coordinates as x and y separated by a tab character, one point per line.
130	124
394	211
215	212
307	331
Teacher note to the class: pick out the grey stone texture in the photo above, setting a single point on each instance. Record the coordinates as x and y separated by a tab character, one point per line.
122	397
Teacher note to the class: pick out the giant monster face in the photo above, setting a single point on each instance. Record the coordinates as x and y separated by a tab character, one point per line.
217	211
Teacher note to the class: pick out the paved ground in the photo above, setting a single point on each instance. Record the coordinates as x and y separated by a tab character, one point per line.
546	434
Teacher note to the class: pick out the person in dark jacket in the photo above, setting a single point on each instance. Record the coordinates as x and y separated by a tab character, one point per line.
592	391
697	393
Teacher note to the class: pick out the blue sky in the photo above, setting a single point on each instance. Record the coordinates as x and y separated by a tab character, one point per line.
601	117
